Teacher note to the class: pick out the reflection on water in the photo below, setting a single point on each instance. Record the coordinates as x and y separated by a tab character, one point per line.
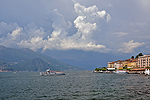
73	85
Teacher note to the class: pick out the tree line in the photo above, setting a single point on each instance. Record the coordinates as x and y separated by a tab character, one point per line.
140	54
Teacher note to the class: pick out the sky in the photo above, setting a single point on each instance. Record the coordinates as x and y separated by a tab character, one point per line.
98	26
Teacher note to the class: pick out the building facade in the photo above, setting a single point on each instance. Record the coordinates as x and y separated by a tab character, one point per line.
134	63
120	64
144	61
111	64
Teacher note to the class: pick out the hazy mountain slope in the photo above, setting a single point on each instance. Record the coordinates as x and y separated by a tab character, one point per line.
20	56
85	59
35	64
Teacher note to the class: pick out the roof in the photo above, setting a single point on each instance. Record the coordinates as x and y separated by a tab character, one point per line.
111	62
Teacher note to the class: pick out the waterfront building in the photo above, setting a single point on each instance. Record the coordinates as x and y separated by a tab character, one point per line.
120	64
111	64
130	63
134	63
144	61
126	63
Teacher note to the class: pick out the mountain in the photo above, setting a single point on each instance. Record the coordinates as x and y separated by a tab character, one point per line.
85	59
2	62
26	59
35	64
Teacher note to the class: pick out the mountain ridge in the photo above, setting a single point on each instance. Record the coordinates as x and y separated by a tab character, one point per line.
35	64
20	57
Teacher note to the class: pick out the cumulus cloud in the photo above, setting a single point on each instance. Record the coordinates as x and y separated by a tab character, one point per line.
85	23
130	46
15	36
35	38
6	28
92	12
10	34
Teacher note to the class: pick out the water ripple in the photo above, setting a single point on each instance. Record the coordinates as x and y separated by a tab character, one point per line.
73	86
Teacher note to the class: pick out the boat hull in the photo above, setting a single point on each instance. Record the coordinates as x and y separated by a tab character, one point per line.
51	73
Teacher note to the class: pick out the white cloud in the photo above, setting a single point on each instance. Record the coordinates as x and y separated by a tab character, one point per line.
36	38
33	43
83	26
92	12
16	34
101	13
6	28
86	24
108	17
130	46
144	4
110	5
82	10
120	34
82	40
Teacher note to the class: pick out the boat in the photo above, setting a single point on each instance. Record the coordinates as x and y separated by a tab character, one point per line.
51	73
121	72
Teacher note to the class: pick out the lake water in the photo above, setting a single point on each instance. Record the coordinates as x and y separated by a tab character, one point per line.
80	85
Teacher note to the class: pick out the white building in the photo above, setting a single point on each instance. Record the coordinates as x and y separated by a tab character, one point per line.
144	61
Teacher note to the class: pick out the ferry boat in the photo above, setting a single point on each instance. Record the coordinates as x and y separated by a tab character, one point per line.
121	72
51	73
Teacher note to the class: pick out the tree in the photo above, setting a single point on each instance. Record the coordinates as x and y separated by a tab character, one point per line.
103	68
97	69
132	57
140	54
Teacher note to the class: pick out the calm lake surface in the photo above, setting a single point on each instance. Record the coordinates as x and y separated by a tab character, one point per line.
80	85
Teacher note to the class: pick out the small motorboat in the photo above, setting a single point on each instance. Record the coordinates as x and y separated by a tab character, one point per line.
51	73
